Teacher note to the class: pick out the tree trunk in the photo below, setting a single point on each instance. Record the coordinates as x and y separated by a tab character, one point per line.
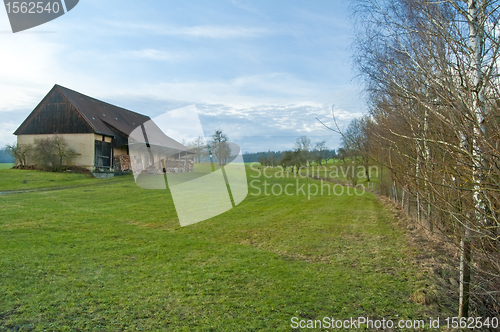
409	203
429	220
465	257
395	193
475	42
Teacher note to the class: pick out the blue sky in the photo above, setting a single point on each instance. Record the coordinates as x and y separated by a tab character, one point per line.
260	70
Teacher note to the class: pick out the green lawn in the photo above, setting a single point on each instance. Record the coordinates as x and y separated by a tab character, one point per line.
6	166
15	179
111	256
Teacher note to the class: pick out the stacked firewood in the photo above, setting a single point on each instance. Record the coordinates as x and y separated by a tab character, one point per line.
122	163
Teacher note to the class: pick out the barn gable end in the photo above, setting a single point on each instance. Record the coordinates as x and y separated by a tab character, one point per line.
54	115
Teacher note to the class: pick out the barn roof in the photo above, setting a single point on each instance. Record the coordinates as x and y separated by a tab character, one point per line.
101	115
151	134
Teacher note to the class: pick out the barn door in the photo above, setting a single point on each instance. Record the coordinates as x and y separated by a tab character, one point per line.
102	154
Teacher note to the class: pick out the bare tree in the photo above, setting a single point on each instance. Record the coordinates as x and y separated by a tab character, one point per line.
341	154
286	159
356	141
199	148
303	146
321	152
299	159
220	147
21	152
272	159
64	153
431	73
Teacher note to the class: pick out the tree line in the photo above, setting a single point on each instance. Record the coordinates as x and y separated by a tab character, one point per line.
6	158
430	70
255	157
275	158
304	154
217	149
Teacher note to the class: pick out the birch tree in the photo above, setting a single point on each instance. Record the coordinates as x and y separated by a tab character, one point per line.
431	72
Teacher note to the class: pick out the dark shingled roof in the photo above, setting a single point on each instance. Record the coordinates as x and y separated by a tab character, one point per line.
100	114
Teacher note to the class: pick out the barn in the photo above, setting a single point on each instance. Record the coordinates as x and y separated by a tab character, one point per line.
98	132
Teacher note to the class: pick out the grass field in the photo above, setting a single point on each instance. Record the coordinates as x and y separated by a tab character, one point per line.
106	255
334	170
6	166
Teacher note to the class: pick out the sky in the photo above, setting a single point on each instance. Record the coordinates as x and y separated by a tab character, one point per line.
262	71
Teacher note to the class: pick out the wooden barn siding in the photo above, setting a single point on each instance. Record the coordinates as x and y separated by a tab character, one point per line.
54	115
120	138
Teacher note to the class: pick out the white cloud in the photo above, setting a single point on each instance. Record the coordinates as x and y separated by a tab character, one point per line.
152	54
223	32
6	130
197	31
180	124
272	88
29	66
274	127
248	7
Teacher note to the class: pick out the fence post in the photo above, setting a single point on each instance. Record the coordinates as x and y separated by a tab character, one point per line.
403	199
395	193
419	217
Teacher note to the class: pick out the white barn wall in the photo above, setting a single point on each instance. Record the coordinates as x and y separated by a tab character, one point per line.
83	144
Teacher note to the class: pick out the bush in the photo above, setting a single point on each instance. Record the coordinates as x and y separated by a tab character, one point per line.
52	152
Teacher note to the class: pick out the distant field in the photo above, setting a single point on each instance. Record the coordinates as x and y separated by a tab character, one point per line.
337	172
106	255
6	166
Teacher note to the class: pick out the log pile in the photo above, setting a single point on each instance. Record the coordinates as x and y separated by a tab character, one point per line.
122	163
180	166
171	166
